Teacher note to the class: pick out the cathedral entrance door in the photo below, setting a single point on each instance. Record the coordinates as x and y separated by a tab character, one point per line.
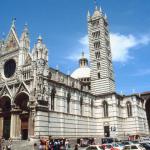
21	101
5	105
6	127
24	128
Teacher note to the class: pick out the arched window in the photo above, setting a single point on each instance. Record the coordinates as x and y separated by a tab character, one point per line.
68	102
81	105
129	109
105	108
53	92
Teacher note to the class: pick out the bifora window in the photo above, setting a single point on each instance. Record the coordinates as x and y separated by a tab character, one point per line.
9	68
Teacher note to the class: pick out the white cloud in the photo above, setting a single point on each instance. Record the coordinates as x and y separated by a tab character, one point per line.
120	46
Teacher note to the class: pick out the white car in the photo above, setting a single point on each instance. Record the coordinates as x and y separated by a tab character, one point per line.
134	147
94	147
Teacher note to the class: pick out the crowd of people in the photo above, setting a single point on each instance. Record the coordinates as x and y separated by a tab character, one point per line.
54	144
43	144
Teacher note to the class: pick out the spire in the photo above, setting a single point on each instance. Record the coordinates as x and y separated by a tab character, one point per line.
24	40
26	28
100	9
88	13
105	16
95	3
13	23
97	12
82	54
40	39
40	50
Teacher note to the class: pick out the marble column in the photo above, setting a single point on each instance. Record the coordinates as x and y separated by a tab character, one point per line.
31	125
15	130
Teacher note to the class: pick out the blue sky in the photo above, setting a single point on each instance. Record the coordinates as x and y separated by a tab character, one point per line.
63	26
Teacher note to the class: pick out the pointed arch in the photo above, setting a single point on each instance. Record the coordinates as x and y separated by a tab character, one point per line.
105	108
129	109
53	93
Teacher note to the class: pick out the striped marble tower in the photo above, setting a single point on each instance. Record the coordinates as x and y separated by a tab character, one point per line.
102	76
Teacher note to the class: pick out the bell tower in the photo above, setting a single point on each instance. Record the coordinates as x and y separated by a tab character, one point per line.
102	75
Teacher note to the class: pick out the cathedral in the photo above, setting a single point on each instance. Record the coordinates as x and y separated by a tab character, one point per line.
39	101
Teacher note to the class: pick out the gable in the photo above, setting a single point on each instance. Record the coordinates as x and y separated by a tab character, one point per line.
5	91
22	88
12	42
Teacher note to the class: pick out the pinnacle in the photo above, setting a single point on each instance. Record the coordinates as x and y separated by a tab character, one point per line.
13	23
82	54
40	38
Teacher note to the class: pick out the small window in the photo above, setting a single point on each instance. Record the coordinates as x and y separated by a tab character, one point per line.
95	23
97	45
53	92
129	109
81	105
105	109
97	55
99	76
98	65
68	102
96	34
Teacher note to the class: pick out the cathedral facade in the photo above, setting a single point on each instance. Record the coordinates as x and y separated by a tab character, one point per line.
39	101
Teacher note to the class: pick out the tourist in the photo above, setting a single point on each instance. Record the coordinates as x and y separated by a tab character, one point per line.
35	146
76	147
67	144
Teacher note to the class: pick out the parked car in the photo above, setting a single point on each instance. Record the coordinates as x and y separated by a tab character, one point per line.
110	147
133	147
145	145
126	142
95	147
118	146
135	142
108	140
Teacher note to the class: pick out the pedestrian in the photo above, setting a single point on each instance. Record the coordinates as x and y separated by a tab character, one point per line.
66	144
35	146
76	147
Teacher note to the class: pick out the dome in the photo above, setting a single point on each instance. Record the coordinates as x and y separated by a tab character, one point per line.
81	73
